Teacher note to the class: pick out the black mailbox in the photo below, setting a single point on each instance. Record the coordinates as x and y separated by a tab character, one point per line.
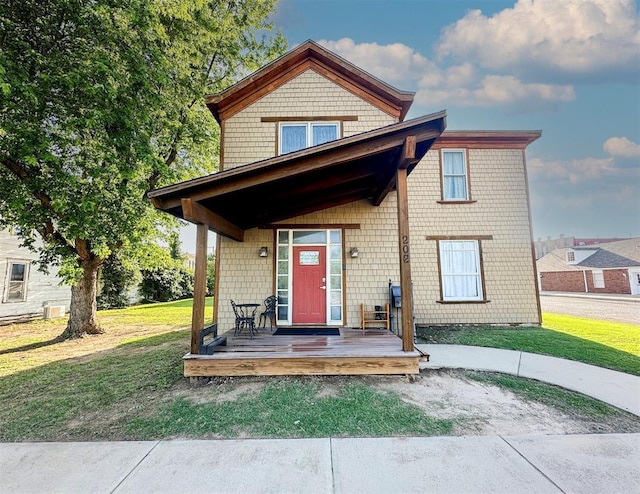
396	299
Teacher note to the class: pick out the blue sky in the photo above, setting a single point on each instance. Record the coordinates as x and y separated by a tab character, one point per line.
570	68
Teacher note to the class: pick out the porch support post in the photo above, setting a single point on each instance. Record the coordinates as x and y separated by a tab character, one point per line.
200	286
404	248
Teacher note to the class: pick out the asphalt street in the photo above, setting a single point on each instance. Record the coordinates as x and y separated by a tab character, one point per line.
593	308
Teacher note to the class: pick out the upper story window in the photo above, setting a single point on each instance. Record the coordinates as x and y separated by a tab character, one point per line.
454	175
571	256
17	281
299	135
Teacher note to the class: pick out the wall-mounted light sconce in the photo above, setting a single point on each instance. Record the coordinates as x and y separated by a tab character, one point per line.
353	252
264	252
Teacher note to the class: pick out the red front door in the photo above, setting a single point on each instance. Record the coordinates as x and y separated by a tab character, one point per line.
309	285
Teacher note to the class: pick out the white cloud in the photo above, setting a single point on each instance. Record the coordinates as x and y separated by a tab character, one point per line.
594	38
456	86
490	91
621	146
392	63
572	171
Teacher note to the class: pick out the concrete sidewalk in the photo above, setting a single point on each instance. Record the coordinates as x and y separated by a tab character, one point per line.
621	297
492	464
616	388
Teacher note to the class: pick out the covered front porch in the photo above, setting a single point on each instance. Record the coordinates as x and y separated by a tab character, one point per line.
258	197
352	352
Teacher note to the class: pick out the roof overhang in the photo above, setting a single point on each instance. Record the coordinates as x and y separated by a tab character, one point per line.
309	55
359	167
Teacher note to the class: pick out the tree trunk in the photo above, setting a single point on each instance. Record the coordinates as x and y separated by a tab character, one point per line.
82	312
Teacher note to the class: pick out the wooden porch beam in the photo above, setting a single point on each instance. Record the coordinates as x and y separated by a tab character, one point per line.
405	260
199	287
192	211
406	158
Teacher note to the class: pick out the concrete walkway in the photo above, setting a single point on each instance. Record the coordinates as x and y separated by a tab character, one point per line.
604	463
616	388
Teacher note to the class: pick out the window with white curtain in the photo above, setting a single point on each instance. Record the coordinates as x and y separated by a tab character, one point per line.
460	271
454	175
17	281
299	135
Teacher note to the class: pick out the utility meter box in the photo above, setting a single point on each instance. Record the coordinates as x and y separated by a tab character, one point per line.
396	299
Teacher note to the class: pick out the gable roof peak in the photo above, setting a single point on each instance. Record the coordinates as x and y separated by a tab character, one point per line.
300	58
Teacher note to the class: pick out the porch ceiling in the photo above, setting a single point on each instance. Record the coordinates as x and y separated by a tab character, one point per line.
363	166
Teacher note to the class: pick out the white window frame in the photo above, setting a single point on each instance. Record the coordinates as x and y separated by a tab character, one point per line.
600	278
478	273
309	128
467	196
25	281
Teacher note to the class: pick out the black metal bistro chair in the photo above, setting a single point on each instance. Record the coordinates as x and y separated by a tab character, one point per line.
269	312
245	318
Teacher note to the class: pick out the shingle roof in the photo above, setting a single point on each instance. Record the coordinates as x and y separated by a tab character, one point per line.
619	254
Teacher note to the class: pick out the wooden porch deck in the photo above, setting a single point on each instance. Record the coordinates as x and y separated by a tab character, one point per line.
354	351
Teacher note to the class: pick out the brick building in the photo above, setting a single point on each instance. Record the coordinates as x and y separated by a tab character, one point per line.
612	267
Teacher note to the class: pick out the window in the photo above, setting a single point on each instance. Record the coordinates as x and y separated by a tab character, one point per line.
300	135
17	282
460	270
598	279
571	256
454	175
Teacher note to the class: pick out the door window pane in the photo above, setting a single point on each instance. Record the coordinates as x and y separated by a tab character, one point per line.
310	237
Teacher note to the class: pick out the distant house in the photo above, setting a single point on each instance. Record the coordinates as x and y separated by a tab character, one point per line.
543	247
612	267
25	292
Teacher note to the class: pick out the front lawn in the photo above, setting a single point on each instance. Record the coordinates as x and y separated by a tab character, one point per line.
602	343
128	384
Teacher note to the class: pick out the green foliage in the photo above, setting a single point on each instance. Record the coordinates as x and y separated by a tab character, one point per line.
101	101
211	274
165	284
118	278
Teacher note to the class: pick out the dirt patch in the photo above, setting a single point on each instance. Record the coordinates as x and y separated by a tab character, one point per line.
477	408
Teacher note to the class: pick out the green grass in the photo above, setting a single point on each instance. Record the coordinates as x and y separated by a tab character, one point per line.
561	399
602	343
128	383
292	409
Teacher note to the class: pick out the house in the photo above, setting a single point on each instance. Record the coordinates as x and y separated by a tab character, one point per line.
612	267
329	198
543	247
27	293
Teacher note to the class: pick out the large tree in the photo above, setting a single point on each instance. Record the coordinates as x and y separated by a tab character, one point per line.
102	100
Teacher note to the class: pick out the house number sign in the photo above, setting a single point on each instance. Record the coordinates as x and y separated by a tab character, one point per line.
309	258
405	248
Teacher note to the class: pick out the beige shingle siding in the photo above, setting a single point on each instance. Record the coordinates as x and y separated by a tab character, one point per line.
499	187
247	139
497	184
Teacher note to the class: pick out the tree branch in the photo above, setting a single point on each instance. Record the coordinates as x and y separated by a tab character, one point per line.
23	175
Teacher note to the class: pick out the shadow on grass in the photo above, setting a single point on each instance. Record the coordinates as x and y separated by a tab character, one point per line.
535	340
43	403
33	346
137	391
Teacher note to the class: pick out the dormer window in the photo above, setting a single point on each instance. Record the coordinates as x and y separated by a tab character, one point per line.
294	136
571	256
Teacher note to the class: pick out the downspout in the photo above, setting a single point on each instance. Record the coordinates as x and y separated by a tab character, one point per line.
584	276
